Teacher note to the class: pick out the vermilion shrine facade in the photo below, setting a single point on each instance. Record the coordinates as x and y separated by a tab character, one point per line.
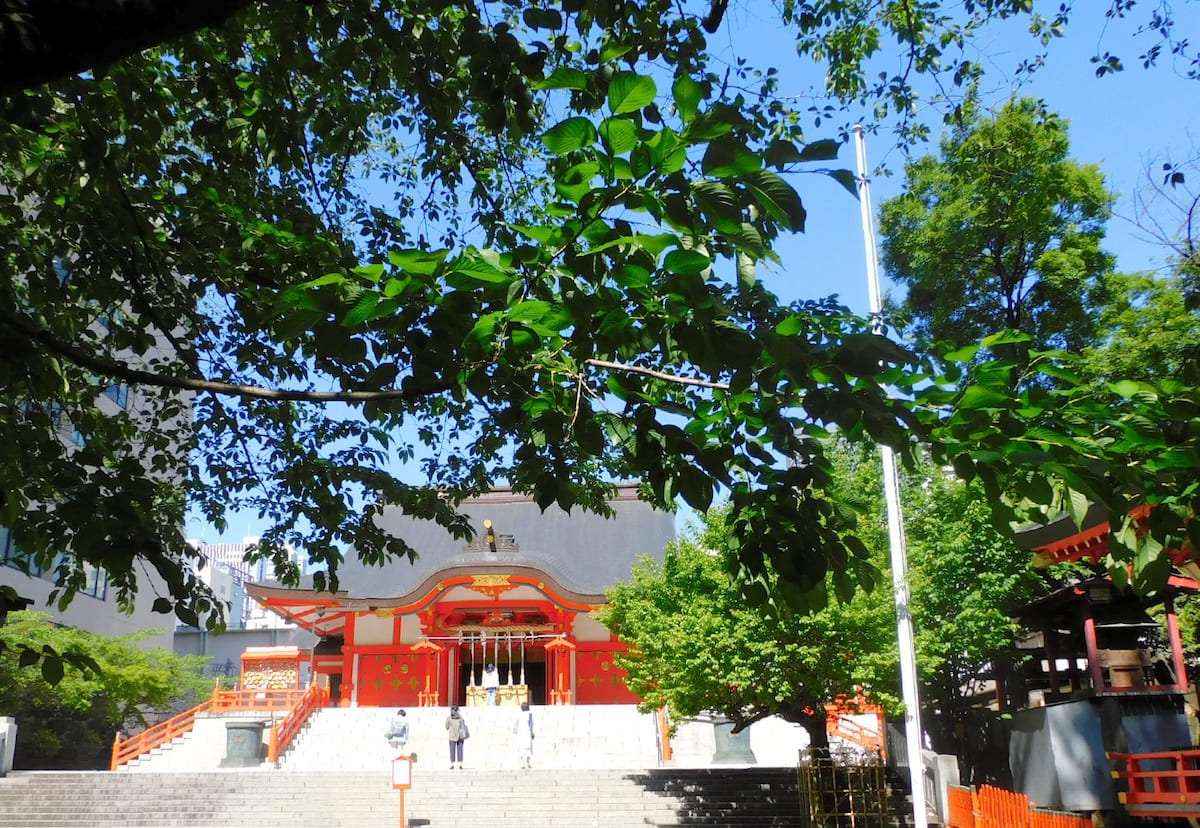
520	596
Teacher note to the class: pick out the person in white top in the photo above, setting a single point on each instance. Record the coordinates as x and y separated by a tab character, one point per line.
523	735
491	684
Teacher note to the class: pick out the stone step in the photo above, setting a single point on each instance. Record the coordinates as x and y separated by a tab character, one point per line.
658	798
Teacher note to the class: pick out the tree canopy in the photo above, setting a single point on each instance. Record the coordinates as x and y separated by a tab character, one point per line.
507	241
1001	230
696	646
69	722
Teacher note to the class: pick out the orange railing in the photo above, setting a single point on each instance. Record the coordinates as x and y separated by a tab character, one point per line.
241	700
665	751
152	737
282	734
960	802
222	701
1166	783
991	807
853	732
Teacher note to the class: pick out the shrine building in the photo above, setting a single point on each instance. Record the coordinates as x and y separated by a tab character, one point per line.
518	596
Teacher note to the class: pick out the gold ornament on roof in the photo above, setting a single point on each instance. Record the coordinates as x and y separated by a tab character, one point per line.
491	585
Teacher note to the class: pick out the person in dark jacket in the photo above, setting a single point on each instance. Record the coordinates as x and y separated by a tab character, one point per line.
457	733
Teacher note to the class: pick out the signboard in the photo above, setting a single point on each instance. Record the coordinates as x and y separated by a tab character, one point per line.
402	773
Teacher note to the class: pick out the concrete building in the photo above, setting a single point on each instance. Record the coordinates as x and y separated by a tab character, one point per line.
225	569
94	609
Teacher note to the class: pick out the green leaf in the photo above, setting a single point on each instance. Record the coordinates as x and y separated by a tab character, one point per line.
728	157
782	153
52	669
846	179
826	150
614	49
540	234
1078	504
685	262
778	199
688	94
975	397
420	262
480	271
570	135
618	134
1008	337
361	310
963	354
327	279
629	92
564	77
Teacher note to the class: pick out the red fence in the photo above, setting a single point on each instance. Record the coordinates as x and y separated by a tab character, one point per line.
282	734
160	734
1165	784
997	808
299	704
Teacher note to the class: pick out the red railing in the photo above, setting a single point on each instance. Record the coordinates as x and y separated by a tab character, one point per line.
1166	783
222	701
853	732
282	733
152	737
960	802
242	700
991	807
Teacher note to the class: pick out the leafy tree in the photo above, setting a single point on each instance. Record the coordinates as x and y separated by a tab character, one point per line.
1145	332
504	241
1001	230
696	646
965	578
69	723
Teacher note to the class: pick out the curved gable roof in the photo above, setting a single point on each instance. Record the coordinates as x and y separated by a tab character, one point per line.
584	552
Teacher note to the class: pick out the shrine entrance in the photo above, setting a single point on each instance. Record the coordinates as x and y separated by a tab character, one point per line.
520	661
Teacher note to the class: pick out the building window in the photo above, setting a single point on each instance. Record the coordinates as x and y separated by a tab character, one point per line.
97	582
14	557
95	579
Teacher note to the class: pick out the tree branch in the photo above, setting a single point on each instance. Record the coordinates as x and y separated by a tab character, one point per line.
112	368
45	40
650	372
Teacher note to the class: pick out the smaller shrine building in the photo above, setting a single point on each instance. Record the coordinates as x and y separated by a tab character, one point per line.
519	595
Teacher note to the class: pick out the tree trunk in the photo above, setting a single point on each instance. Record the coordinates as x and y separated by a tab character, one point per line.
818	736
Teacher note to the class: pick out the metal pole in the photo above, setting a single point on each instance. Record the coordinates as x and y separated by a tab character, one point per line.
899	555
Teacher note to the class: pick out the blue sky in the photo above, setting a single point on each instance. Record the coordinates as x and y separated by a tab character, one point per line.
1124	122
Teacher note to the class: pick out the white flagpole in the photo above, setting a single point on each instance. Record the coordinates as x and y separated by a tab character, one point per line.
891	493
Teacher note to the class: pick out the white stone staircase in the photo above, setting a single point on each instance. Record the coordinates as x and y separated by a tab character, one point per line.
612	736
352	739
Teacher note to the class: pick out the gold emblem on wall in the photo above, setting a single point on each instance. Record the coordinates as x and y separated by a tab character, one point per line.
492	586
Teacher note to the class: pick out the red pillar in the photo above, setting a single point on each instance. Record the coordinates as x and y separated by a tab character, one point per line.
1181	679
1093	648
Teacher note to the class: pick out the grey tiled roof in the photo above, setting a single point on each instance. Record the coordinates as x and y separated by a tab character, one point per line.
582	551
